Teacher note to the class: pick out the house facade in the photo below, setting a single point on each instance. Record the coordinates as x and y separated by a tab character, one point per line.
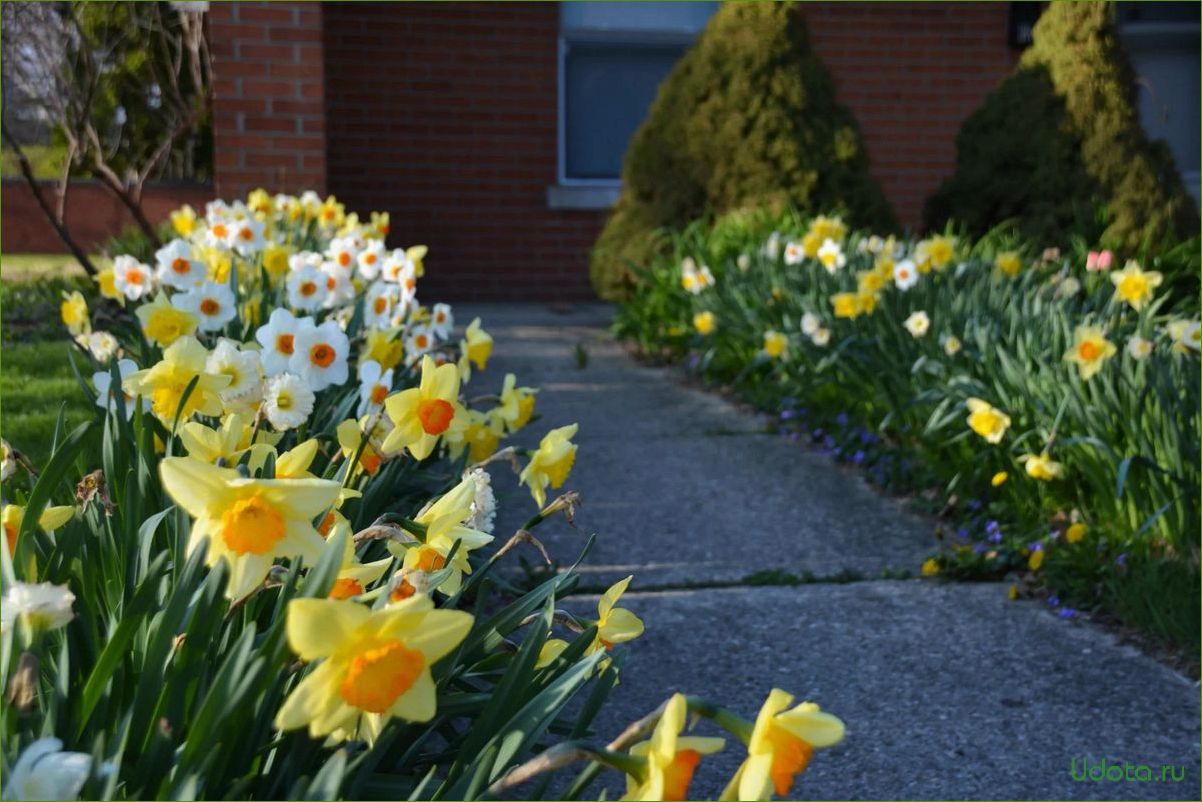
494	132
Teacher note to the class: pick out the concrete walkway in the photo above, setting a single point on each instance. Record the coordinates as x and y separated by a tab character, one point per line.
949	691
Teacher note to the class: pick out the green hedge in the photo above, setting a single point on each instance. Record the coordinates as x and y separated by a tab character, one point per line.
1061	138
747	118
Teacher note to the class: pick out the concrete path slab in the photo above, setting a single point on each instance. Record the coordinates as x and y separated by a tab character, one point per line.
949	691
683	486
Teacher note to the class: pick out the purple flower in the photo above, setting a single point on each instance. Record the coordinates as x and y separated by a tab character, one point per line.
974	504
818	434
992	526
694	361
858	458
962	533
1053	601
1121	560
830	443
787	414
794	436
1036	546
841	419
979	548
1066	613
996	537
867	438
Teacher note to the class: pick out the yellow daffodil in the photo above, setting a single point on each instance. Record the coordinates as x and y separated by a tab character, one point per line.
517	404
480	435
331	214
375	666
705	323
940	251
163	323
930	567
1134	285
1035	561
165	383
380	224
775	344
275	261
615	624
671	758
987	420
810	244
870	281
845	304
1090	350
477	345
422	414
74	310
209	445
384	346
1042	467
292	464
50	519
999	479
1008	262
825	228
1075	533
550	650
354	577
248	522
444	523
106	282
781	745
183	220
867	302
350	436
417	254
1012	593
551	464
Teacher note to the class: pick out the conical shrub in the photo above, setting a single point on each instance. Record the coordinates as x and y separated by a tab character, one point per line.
747	118
1061	137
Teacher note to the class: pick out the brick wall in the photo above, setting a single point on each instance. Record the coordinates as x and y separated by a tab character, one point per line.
93	214
911	73
444	114
268	97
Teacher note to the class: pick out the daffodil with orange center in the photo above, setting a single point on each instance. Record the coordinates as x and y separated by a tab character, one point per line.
615	624
480	435
1134	285
551	464
350	437
444	524
781	745
165	383
14	515
1090	350
517	404
422	414
671	758
374	666
249	523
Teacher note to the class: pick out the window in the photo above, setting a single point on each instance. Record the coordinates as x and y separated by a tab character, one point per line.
612	59
1162	39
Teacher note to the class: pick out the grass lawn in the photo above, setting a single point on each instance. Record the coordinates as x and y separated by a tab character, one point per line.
20	267
35	381
35	374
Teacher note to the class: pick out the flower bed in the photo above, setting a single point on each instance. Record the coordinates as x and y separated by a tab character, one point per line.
259	570
1045	405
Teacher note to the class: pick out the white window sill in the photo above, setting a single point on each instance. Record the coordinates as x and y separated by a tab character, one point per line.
582	196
